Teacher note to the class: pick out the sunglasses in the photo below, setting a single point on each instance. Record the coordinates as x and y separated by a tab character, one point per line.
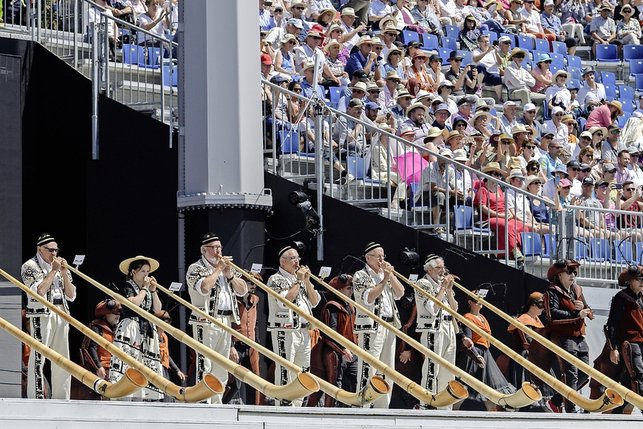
533	168
457	61
530	147
575	169
589	156
558	114
571	272
630	189
395	80
599	134
299	8
292	42
296	90
519	57
496	175
530	111
586	170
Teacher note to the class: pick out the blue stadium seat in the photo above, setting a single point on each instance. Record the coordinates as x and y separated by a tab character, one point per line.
608	78
335	94
444	54
493	36
542	45
610	91
576	73
551	244
132	53
580	250
450	43
151	58
559	48
581	123
467	57
623	253
430	41
636	67
633	52
452	31
628	106
511	37
625	92
607	53
558	60
410	36
638	82
599	249
170	75
622	120
359	168
289	142
574	61
639	252
531	245
526	42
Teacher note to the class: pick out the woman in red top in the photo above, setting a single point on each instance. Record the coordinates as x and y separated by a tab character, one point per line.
490	201
417	76
604	115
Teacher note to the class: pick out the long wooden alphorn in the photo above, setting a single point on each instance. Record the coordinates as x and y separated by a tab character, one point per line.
203	390
376	388
132	381
526	395
454	392
304	385
627	394
609	400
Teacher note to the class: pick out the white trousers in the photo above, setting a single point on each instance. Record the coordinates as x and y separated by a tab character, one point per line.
219	341
575	31
380	345
294	346
52	331
435	377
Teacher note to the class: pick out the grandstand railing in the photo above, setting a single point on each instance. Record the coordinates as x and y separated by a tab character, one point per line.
143	77
386	168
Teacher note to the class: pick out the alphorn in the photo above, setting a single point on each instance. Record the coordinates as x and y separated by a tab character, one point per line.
454	392
304	385
609	400
132	381
627	394
376	388
203	390
526	395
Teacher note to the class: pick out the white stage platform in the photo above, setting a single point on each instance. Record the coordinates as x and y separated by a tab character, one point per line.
45	414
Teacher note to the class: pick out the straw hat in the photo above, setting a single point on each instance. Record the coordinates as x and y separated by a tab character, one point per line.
560	73
460	155
454	135
531	179
517	129
348	11
422	94
568	118
359	85
331	44
335	27
364	39
420	54
481	114
403	93
594	130
617	105
492	167
515	173
414	106
516	51
124	266
434	132
392	74
392	50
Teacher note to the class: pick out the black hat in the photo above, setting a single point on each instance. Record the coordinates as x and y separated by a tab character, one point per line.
361	74
284	250
435	57
454	55
587	70
208	238
573	164
370	246
413	44
431	257
588	181
464	100
44	238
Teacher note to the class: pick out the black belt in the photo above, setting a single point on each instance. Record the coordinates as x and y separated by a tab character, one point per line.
387	319
58	301
224	313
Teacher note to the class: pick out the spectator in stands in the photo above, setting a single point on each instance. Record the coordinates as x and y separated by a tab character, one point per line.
628	30
591	88
491	203
538	216
556	127
527	154
325	18
635	168
442	114
557	95
574	17
156	21
603	28
121	9
334	74
605	115
513	16
365	58
415	120
347	20
598	134
349	134
584	140
533	26
277	34
481	124
623	173
398	112
277	19
426	18
488	61
387	99
509	119
435	71
469	34
264	15
307	84
309	50
550	187
463	79
542	74
552	25
640	109
411	49
517	204
529	111
630	201
358	90
378	10
284	59
417	76
572	139
372	93
438	181
574	106
590	222
550	162
519	81
449	13
296	10
465	109
520	135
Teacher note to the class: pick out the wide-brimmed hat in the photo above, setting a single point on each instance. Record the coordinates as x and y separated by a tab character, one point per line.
561	266
531	179
460	155
433	133
594	130
359	85
517	129
481	114
364	39
313	33
392	74
492	167
124	265
306	65
335	27
422	94
107	306
568	118
543	58
331	44
403	93
604	7
414	106
391	51
348	11
420	54
587	70
516	51
516	173
630	273
559	73
453	135
617	105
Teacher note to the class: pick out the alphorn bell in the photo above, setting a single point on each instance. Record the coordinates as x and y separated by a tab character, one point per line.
132	381
627	394
609	400
304	385
454	392
526	395
376	388
203	390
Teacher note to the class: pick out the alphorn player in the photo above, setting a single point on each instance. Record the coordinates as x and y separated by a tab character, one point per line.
95	357
376	288
46	275
625	326
565	312
436	325
212	284
290	335
135	335
330	360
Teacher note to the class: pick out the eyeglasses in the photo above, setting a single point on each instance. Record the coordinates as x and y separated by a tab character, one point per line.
533	169
214	247
460	125
519	57
587	155
373	91
293	258
496	175
377	256
599	134
558	114
586	138
378	48
530	111
506	43
537	183
51	249
395	80
586	170
299	7
530	147
315	37
611	171
630	189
